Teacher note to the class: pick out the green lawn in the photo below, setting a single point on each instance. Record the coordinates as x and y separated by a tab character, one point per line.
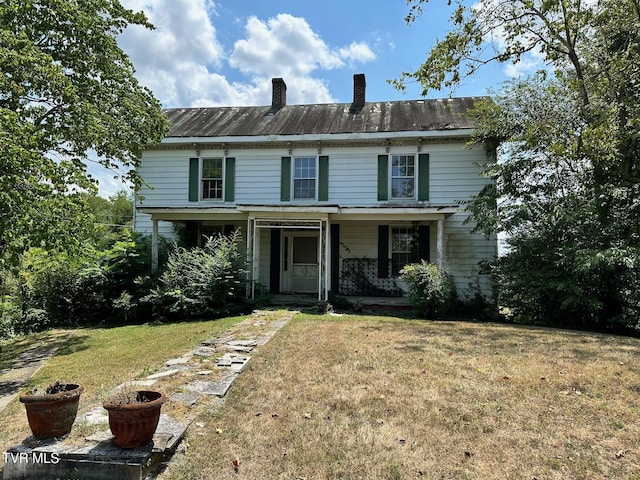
100	359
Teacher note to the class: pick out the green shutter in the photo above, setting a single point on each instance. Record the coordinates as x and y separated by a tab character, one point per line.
423	177
424	238
229	179
383	251
285	179
323	178
194	179
383	177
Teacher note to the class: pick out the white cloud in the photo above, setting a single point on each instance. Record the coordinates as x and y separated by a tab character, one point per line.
282	46
357	52
182	59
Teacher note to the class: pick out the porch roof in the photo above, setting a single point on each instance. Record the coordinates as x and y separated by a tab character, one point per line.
335	212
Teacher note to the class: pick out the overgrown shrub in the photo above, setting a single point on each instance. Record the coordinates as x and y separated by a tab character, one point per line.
431	290
55	289
202	282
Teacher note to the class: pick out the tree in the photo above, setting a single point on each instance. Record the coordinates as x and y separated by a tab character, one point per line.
567	186
66	88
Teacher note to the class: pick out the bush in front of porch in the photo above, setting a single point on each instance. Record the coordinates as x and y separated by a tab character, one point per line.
431	290
202	282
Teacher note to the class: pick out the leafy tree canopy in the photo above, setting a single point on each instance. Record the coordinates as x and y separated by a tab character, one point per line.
66	88
567	185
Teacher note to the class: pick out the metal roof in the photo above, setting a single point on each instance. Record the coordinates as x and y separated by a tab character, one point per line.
374	117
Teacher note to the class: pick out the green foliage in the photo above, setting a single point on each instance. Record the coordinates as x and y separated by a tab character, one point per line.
202	282
66	88
101	286
567	181
431	290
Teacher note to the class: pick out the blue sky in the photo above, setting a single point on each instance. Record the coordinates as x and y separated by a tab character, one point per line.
225	52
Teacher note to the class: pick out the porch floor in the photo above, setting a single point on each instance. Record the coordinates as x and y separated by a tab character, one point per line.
305	300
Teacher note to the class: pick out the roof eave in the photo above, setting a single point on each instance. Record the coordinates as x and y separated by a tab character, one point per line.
324	137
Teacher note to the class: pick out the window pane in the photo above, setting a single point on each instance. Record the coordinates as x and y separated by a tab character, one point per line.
212	178
304	178
402	240
403	176
305	250
211	168
212	189
402	187
398	262
304	189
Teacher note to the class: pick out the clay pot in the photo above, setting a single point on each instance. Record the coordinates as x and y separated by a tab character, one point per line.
52	415
133	424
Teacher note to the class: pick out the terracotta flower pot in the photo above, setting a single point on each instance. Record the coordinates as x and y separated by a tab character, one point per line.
52	414
133	424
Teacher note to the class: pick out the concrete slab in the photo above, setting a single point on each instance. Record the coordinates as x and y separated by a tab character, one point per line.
218	388
204	351
177	361
186	398
96	459
243	343
166	373
95	416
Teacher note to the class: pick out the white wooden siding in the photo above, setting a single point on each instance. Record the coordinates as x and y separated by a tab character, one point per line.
353	176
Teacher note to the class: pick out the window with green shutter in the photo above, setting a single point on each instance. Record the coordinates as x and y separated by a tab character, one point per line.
212	178
403	177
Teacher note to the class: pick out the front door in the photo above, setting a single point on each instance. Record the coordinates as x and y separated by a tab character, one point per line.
300	266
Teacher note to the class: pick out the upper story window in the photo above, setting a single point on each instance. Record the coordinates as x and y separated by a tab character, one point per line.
212	183
403	177
304	178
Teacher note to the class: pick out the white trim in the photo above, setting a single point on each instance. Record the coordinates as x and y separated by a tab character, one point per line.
293	179
223	161
391	177
461	132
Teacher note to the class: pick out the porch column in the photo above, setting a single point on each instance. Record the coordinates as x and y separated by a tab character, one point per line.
255	259
154	245
440	243
327	261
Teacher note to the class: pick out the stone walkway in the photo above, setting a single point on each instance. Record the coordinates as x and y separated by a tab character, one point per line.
13	379
196	379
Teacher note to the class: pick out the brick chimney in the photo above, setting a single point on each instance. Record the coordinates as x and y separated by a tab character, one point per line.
359	92
279	93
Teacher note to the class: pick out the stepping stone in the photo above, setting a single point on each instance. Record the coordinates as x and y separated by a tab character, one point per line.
242	349
141	383
166	373
204	351
96	416
177	361
216	341
186	398
217	388
243	343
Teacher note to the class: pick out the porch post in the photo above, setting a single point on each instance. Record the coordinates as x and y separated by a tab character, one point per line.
255	258
327	261
320	257
440	243
154	245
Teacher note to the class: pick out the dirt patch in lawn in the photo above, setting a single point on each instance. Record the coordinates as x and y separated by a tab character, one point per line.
382	398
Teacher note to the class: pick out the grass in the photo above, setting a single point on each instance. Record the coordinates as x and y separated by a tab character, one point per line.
100	359
361	397
384	398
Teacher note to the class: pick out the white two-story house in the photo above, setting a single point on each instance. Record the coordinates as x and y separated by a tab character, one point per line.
328	197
